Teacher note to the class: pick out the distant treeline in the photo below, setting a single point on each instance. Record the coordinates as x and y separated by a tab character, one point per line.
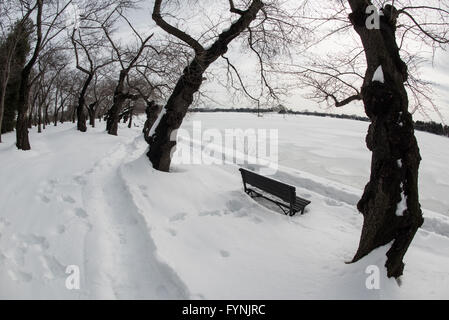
431	127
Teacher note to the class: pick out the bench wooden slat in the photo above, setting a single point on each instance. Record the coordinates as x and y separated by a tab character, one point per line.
302	201
276	188
279	189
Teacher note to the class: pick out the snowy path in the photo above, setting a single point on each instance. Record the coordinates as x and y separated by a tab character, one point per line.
92	214
126	258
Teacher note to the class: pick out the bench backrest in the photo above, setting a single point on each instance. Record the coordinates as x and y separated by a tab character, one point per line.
274	187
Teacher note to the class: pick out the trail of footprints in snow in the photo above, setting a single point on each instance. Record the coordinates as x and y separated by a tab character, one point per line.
48	192
14	259
4	223
232	207
182	216
36	245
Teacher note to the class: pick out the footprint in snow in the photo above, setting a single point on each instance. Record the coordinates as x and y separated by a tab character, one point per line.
68	199
44	199
178	217
224	253
210	213
55	268
61	229
143	190
4	223
80	180
34	240
172	232
241	214
333	203
81	213
122	238
234	205
20	276
257	220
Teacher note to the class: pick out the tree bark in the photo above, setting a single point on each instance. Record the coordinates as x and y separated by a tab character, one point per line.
162	142
395	153
23	120
39	118
119	98
130	122
2	102
3	86
62	114
152	111
22	139
91	109
80	114
46	116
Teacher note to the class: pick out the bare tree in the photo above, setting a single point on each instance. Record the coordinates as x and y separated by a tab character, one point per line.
189	83
50	65
87	37
128	60
64	91
390	202
336	77
11	35
48	25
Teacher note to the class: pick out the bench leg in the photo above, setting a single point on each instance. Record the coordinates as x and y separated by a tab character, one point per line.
292	212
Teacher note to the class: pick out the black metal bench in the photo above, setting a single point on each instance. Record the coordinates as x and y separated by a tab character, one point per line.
291	205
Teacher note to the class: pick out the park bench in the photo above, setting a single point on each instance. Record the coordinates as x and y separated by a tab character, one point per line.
290	204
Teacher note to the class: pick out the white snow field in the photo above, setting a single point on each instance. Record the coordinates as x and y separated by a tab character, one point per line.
92	200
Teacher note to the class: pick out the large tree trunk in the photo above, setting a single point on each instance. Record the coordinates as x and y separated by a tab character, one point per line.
39	118
5	74
130	122
23	121
23	142
3	85
62	114
162	142
46	116
152	111
91	111
2	103
113	115
390	202
80	114
55	113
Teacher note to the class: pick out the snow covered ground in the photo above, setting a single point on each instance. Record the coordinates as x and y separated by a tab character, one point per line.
93	201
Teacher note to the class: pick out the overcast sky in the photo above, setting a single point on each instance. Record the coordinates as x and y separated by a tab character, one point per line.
436	71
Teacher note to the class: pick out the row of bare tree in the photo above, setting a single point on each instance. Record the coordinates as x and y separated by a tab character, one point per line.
77	67
285	40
